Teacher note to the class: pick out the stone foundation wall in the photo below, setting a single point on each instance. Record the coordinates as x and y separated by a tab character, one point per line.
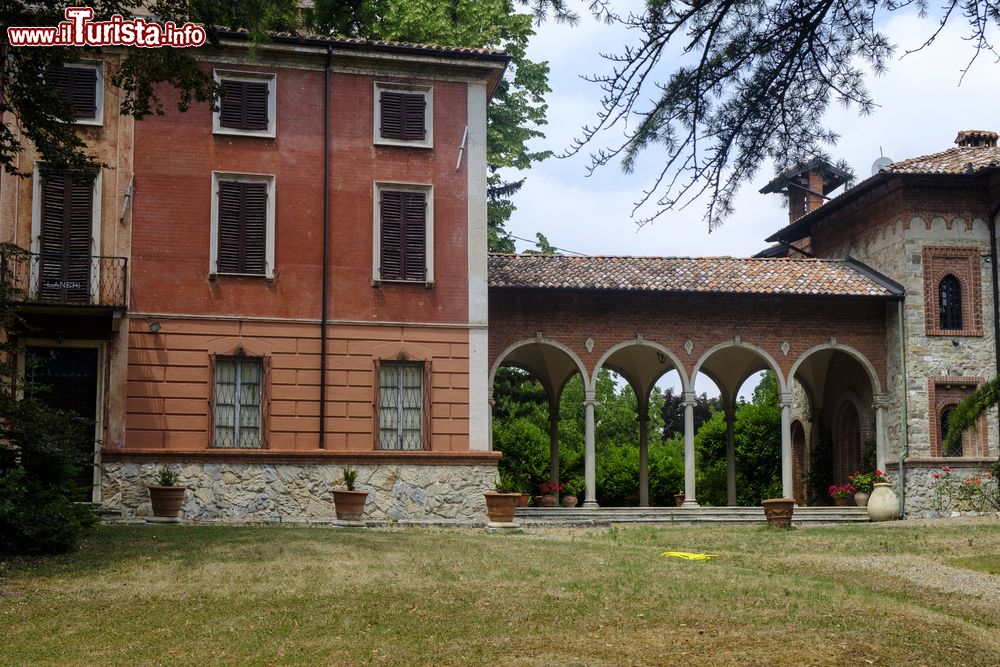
282	492
920	489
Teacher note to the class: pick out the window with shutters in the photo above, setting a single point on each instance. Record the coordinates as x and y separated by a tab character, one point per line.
403	115
65	226
404	234
401	405
248	104
242	225
82	86
238	402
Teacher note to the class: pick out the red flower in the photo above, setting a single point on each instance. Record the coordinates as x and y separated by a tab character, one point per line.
935	475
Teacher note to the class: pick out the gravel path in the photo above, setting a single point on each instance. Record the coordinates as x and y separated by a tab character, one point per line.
931	574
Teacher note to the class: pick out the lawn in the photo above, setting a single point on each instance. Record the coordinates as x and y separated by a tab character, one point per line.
191	595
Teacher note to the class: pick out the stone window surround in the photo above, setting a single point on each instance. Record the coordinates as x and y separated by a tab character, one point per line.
945	391
963	263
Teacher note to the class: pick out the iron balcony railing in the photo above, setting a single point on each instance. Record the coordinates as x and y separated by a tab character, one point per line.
64	279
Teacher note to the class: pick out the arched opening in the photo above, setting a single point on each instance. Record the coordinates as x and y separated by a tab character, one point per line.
840	385
956	448
950	302
636	462
799	458
739	451
534	384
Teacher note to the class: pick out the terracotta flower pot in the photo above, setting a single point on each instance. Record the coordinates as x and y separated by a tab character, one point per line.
779	511
166	500
522	499
500	506
349	505
678	499
548	500
840	502
569	501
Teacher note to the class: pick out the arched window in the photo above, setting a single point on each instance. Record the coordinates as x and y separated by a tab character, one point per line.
956	448
950	302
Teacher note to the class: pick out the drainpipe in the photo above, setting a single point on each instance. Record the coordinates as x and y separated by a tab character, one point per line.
905	451
996	294
323	323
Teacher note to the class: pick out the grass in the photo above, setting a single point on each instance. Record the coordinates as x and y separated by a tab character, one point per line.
270	595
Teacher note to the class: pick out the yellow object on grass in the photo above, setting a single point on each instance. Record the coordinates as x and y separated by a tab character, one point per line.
688	556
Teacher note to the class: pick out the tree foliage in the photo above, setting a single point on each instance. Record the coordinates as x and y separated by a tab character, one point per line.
716	88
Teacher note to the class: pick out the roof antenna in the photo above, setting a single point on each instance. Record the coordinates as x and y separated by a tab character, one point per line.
881	163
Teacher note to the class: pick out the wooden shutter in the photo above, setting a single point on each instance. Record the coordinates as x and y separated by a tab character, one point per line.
242	222
414	236
244	105
66	220
413	117
391	236
76	85
403	236
391	113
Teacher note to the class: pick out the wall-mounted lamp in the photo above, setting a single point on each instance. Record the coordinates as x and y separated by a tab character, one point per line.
154	326
662	358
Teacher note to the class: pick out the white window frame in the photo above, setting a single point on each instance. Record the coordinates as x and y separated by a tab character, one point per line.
236	415
428	191
427	92
98	65
36	232
256	77
213	268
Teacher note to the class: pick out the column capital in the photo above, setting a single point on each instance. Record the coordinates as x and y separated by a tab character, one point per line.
730	412
689	399
785	400
554	412
880	401
642	412
589	397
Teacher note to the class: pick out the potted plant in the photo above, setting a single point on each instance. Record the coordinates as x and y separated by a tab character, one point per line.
778	511
679	499
883	504
549	494
500	505
521	484
572	490
348	502
840	494
165	495
864	483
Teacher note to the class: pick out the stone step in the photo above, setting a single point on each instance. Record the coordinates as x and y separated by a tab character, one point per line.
682	515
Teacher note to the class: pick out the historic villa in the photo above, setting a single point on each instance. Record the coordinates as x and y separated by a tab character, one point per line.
299	281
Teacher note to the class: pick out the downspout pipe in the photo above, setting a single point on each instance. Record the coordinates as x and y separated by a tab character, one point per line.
324	323
904	452
992	220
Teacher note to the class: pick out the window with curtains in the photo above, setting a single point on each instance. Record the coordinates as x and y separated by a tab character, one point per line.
401	406
238	414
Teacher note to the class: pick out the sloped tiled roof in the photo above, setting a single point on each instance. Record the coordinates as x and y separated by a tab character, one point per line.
958	160
723	275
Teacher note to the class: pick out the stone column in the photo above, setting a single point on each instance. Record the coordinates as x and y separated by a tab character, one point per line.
554	443
881	405
642	410
589	465
787	487
689	490
730	455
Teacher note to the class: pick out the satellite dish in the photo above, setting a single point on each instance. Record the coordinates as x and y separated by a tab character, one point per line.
880	164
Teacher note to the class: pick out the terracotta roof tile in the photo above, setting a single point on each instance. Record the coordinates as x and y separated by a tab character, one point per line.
958	160
725	275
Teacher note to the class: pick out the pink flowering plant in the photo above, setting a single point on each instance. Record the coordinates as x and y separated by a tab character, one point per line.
842	491
549	488
976	492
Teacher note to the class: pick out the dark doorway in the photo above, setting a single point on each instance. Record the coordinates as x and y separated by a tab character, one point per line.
66	378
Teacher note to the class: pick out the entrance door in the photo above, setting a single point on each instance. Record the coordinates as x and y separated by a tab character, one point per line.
68	376
67	216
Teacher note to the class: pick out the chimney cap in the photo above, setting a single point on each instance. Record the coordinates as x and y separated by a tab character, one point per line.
833	177
971	138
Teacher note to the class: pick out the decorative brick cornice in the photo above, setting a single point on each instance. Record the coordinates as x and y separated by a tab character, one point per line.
314	457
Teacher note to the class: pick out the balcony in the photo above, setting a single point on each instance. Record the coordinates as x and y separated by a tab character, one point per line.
64	280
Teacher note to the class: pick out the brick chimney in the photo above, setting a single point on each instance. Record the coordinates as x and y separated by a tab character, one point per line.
977	138
806	186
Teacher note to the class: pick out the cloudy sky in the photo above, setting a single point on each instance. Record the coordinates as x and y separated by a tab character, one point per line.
922	107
